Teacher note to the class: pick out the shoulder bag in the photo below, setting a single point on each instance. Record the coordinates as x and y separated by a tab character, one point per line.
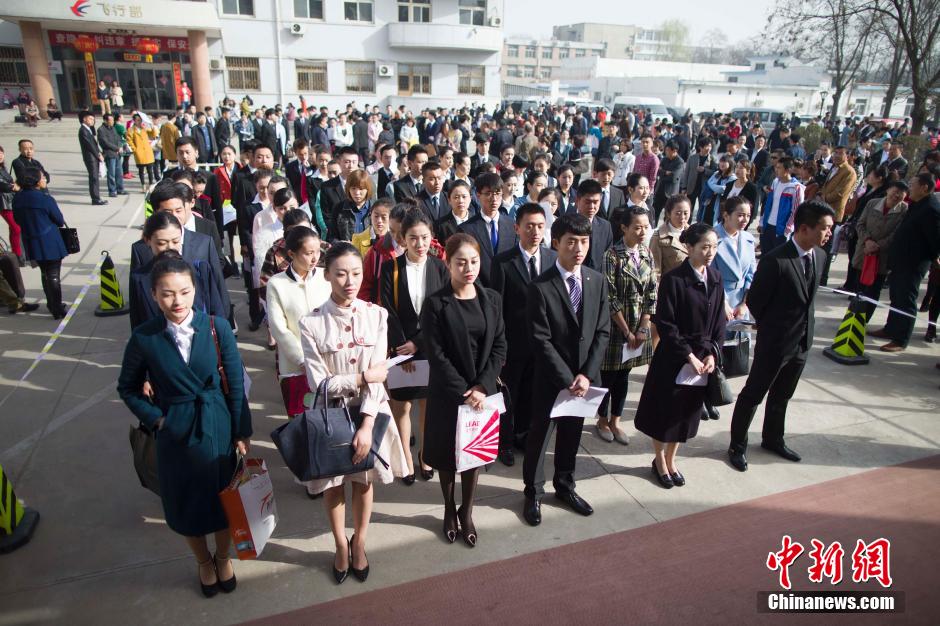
718	391
70	239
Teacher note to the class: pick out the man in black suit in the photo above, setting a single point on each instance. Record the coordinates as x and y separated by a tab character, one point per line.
298	170
409	187
91	155
611	197
302	126
267	135
602	236
25	161
569	325
493	229
223	129
482	154
916	243
781	299
432	199
361	138
388	173
205	140
513	272
187	156
333	192
897	164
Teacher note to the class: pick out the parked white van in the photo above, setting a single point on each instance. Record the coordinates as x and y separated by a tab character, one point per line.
655	105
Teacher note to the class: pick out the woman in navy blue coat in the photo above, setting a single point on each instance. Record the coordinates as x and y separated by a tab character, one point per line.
39	218
198	427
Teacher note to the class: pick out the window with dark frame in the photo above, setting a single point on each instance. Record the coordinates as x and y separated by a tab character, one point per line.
360	76
311	76
414	11
471	80
414	78
238	7
360	11
473	12
243	73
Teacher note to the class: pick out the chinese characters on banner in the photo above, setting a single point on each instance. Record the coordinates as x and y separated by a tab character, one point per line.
870	561
92	79
119	42
178	81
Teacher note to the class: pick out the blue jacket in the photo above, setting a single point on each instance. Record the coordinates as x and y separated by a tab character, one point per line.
39	216
736	262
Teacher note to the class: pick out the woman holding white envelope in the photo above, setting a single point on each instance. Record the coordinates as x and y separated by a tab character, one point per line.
690	316
465	344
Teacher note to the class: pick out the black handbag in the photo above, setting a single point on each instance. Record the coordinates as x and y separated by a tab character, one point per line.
737	356
718	391
318	444
70	239
144	447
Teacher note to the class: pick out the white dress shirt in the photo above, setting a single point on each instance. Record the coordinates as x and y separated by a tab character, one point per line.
182	334
538	258
414	274
565	274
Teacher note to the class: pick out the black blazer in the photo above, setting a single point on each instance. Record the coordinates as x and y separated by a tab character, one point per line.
565	344
569	204
267	135
476	228
617	199
403	322
383	179
443	206
331	196
749	192
214	193
447	225
510	277
223	133
296	177
476	162
89	144
302	128
917	239
602	238
206	151
405	189
454	369
782	302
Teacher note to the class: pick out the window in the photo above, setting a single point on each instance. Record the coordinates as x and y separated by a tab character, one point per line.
414	10
597	96
360	76
311	75
546	53
238	7
470	79
528	72
564	53
513	71
472	12
908	107
579	52
732	79
414	79
545	72
13	66
530	52
760	67
243	74
309	9
358	11
861	105
512	51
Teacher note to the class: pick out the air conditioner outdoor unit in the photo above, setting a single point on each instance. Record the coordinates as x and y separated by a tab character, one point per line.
216	64
496	21
297	28
386	70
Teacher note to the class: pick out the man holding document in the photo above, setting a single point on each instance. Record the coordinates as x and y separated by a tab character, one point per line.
570	324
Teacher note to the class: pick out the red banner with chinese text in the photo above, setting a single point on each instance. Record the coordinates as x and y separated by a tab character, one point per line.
92	79
178	81
119	42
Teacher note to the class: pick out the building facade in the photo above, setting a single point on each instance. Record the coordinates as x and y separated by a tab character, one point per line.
540	59
617	39
413	52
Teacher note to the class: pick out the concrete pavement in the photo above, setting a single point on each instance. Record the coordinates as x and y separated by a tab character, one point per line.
102	553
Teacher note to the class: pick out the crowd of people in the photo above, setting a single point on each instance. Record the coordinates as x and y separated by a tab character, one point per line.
521	254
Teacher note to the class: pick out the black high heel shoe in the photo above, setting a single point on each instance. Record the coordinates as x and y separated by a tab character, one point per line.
469	530
425	474
363	573
665	480
451	530
228	586
209	590
409	480
341	576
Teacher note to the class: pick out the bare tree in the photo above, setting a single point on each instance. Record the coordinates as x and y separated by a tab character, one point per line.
676	35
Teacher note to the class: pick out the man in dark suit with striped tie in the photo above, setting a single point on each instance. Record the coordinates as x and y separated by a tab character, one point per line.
409	187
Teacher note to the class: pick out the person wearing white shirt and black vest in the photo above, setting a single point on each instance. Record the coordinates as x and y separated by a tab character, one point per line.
492	228
405	283
513	272
782	300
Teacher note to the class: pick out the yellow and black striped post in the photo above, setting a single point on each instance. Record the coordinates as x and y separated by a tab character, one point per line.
112	302
17	523
848	348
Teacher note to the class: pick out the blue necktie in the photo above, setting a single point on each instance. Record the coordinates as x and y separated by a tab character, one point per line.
574	291
434	206
494	236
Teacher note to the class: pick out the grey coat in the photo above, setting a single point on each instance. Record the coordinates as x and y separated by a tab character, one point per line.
874	224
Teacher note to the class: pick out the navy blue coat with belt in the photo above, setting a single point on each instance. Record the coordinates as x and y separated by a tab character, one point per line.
39	216
196	445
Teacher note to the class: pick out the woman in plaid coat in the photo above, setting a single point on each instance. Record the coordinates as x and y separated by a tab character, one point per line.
631	295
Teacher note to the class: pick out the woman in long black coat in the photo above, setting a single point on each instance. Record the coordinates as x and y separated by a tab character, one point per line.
466	346
690	317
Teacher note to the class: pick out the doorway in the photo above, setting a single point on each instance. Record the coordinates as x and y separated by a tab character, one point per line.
147	86
78	97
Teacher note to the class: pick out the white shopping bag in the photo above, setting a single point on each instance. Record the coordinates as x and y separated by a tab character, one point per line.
477	441
249	505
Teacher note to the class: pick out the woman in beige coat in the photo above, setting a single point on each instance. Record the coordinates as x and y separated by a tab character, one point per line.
667	252
876	228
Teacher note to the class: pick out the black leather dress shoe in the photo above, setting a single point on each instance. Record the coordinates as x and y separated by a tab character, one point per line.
507	457
99	202
712	412
782	450
532	511
738	460
665	480
576	502
677	479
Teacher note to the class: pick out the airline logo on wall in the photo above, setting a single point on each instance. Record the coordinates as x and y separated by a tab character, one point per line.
109	9
80	7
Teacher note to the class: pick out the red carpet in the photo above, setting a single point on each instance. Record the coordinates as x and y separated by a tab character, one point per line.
702	568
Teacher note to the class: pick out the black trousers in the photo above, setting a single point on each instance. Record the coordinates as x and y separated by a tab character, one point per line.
616	383
827	263
94	183
567	440
514	423
770	376
903	285
51	284
873	291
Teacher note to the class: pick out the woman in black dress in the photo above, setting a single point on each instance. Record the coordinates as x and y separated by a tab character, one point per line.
466	346
690	317
406	282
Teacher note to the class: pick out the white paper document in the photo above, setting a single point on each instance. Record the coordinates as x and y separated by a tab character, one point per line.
495	402
397	377
567	405
397	360
629	353
689	377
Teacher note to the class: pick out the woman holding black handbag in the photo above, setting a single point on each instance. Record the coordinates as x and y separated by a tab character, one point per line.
690	316
344	342
39	217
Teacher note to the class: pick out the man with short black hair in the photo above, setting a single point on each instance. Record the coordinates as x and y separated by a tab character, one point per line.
409	187
205	140
611	197
333	193
110	144
493	229
482	154
602	238
432	199
223	129
782	299
91	155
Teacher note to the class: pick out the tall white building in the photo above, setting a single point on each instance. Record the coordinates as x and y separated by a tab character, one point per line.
413	52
